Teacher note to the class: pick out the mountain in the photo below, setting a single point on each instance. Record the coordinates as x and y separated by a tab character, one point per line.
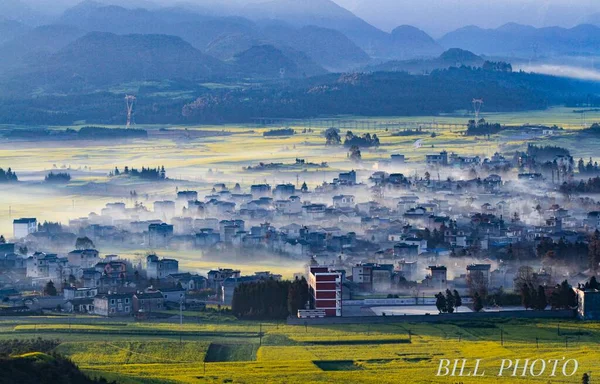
36	44
326	14
329	48
413	42
269	62
9	29
523	41
453	57
102	59
220	36
19	11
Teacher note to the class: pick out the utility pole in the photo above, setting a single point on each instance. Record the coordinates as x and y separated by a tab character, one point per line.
181	312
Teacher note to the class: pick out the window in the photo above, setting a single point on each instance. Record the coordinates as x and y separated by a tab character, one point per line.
126	301
112	301
127	308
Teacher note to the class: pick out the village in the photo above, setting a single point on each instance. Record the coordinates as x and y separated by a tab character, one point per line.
391	242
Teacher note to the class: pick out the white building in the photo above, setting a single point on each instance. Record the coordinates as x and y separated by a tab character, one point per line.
24	227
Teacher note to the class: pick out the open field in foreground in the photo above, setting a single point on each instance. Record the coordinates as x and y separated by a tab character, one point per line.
232	351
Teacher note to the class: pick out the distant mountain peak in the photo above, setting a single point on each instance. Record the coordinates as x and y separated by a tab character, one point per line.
459	55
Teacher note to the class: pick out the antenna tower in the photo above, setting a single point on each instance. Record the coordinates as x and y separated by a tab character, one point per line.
477	103
129	102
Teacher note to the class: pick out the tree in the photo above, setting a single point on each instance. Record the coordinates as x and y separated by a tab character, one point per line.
450	303
332	137
540	301
563	297
2	239
84	243
297	295
355	154
440	302
525	296
50	289
23	250
593	284
594	251
457	300
477	302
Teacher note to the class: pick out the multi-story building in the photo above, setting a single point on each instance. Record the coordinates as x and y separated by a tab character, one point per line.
159	235
325	288
479	274
160	268
373	277
165	209
437	277
588	304
148	302
83	258
24	227
41	266
113	304
343	201
72	293
217	276
438	159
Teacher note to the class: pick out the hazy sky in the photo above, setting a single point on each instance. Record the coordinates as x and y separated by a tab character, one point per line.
434	16
440	16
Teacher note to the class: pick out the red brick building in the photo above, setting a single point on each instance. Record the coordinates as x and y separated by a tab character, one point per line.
325	287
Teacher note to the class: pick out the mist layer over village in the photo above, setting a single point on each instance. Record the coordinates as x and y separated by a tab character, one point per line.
299	191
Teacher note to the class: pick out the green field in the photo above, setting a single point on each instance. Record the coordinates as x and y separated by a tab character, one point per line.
234	351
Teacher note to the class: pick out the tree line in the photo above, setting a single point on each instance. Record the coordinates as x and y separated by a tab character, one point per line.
8	176
158	173
269	299
58	178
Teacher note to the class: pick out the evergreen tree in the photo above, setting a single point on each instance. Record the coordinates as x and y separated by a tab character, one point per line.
440	302
563	297
457	300
50	289
2	239
541	301
525	296
450	304
477	302
594	251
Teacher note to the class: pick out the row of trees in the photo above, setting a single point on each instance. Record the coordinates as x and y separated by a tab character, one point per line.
532	298
269	299
364	141
158	173
482	127
588	168
592	185
449	302
8	176
58	178
562	297
280	132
